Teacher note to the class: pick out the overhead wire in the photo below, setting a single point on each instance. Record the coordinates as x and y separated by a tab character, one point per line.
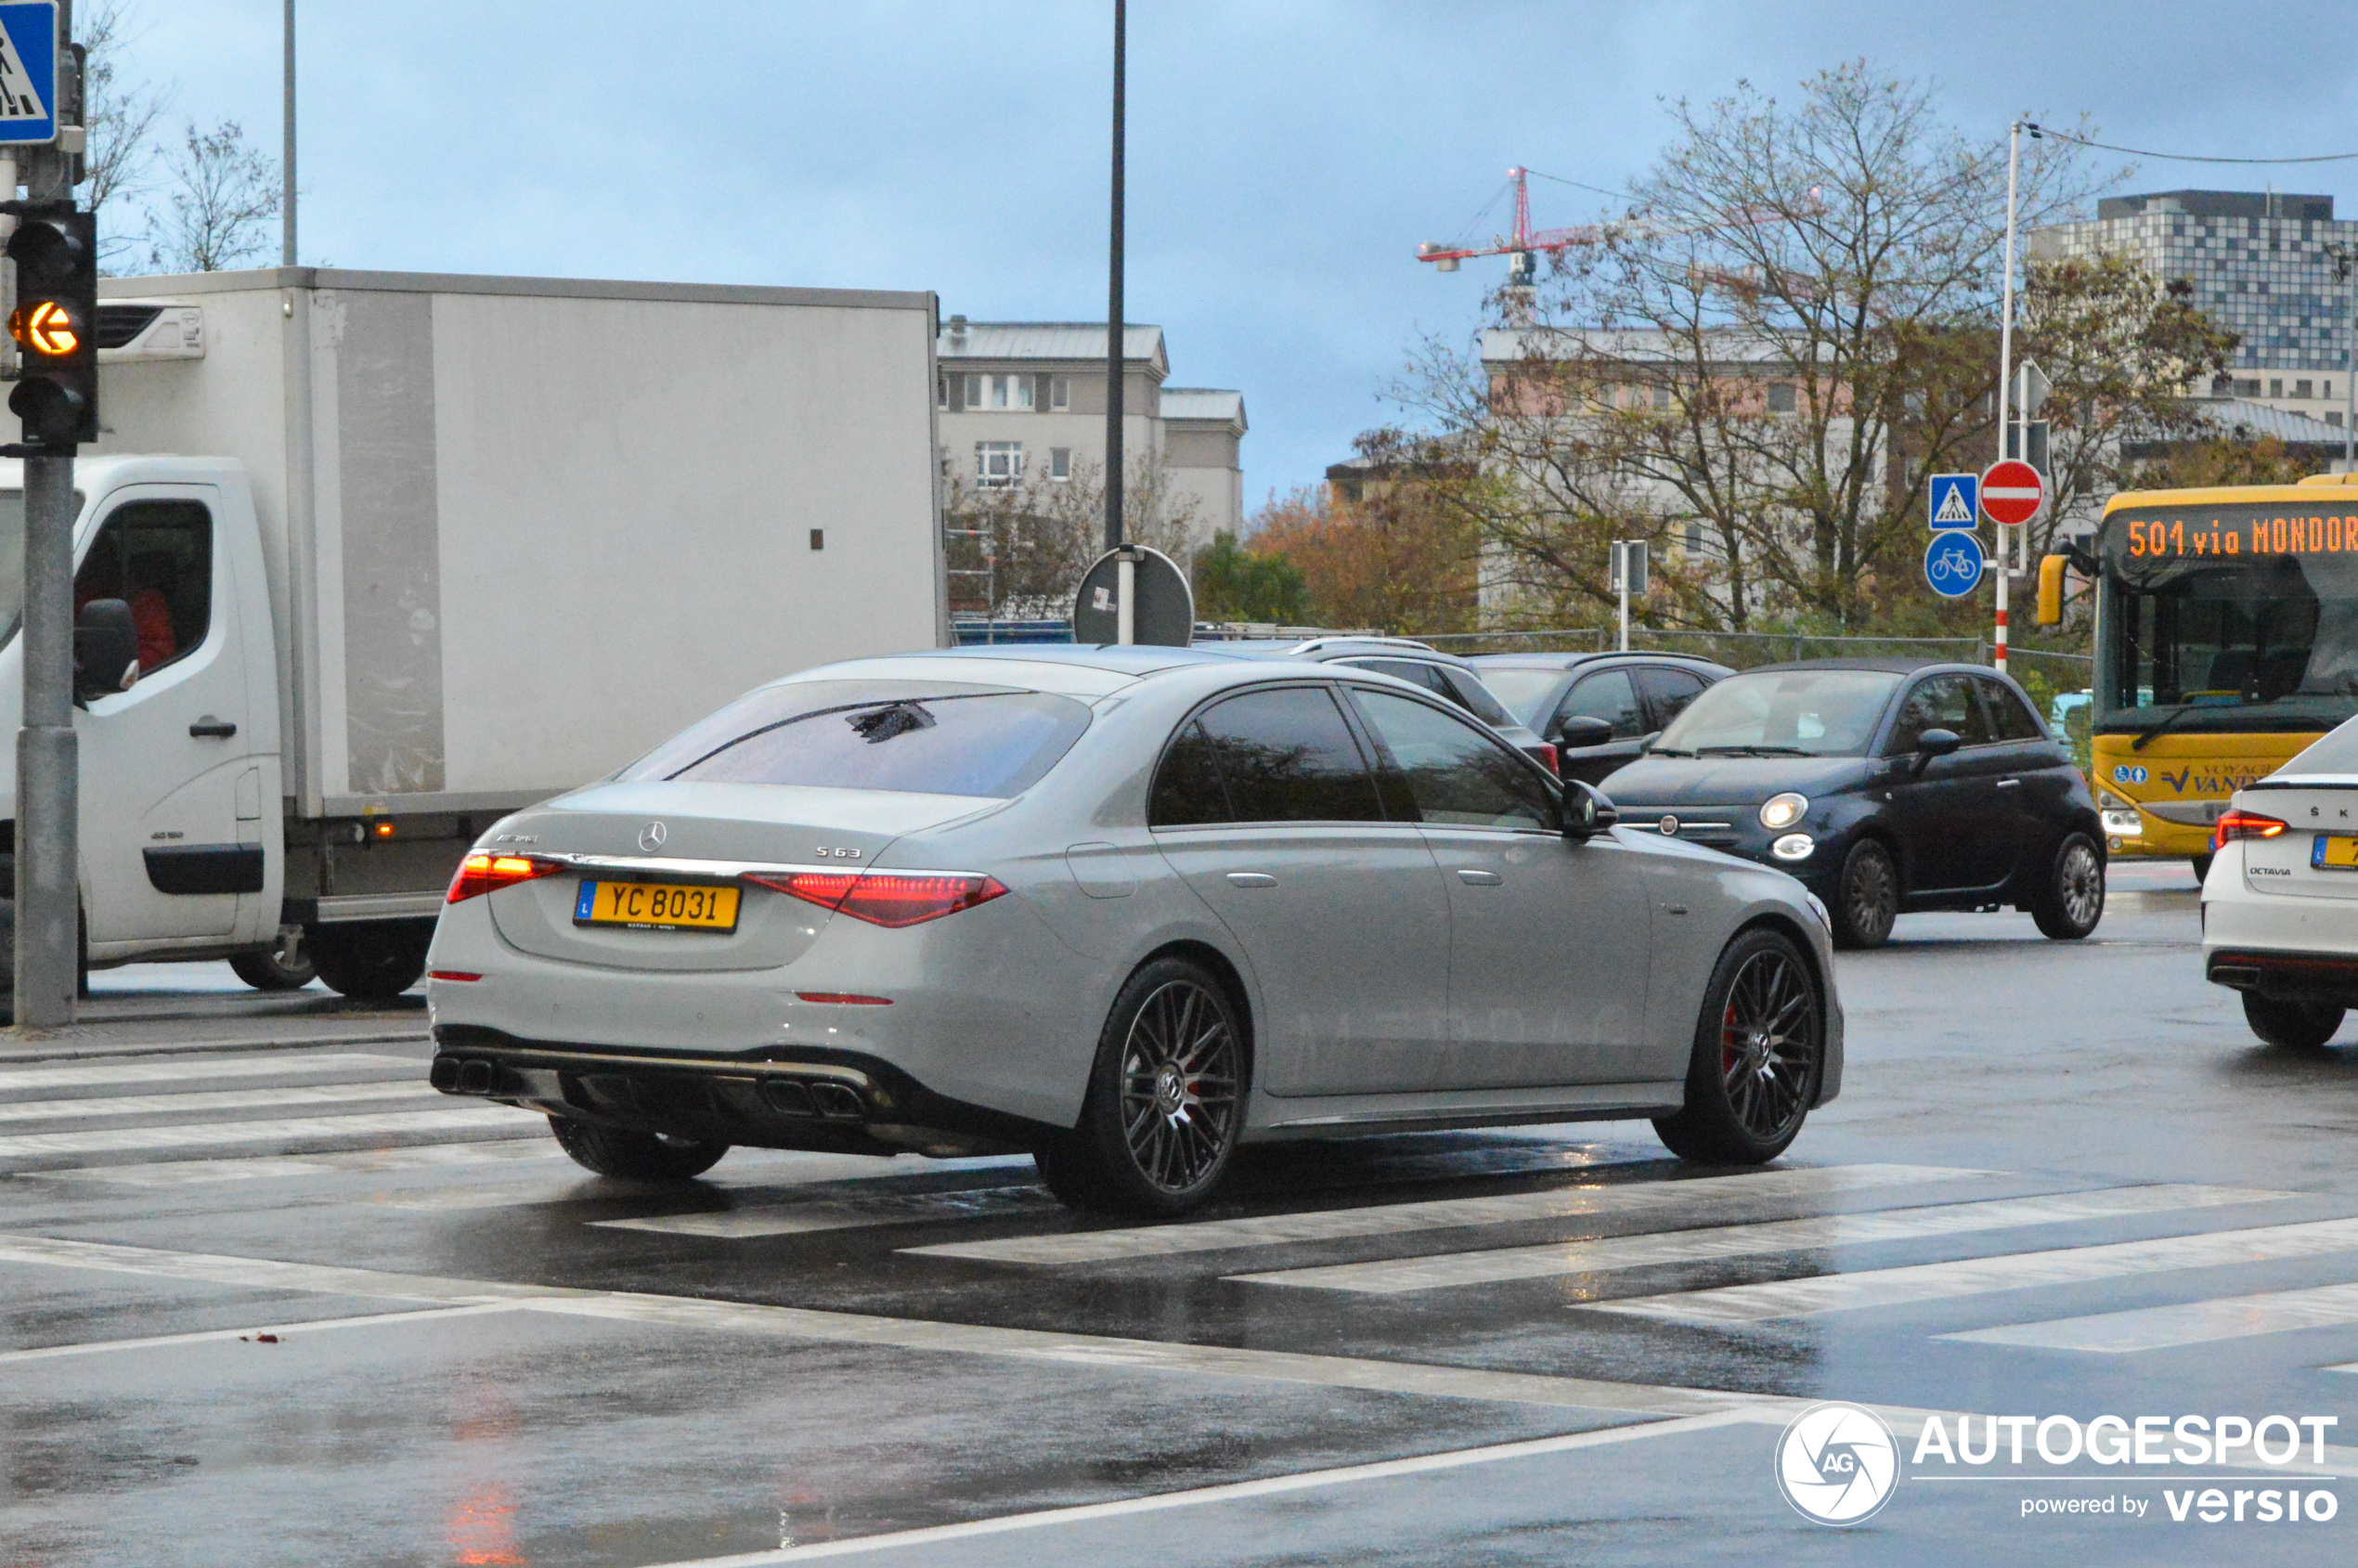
2039	130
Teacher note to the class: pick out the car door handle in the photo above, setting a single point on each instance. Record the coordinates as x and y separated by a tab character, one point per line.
210	728
1478	878
2009	783
1251	879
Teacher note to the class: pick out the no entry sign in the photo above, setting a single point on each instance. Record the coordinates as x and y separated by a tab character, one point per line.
2011	491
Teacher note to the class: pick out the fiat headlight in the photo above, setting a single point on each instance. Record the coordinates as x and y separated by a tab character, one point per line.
1782	810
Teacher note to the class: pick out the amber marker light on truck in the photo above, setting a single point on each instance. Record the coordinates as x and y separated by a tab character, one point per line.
2235	824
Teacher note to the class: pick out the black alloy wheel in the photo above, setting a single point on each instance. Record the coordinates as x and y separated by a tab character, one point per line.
2072	899
639	1156
1165	1103
370	961
1759	1051
2294	1025
1866	896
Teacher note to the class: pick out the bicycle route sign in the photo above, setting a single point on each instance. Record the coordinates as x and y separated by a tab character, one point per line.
1953	563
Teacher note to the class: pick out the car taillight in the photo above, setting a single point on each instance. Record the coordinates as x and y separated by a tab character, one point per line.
886	898
1546	752
2240	824
479	875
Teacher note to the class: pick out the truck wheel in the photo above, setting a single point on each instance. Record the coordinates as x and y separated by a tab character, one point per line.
1760	1045
1866	896
1165	1102
639	1156
2297	1026
2071	899
286	967
372	960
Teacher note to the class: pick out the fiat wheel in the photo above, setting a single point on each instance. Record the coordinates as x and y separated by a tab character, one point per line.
1866	897
1165	1101
2072	899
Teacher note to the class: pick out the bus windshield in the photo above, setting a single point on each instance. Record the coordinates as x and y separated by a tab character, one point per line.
2228	617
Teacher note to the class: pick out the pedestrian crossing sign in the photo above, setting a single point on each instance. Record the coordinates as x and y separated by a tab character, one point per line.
29	72
1951	502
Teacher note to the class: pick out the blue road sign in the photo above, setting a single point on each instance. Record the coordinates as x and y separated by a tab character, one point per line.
1953	564
1952	502
28	72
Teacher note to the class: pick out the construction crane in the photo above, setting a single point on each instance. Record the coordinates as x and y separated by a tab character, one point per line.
1522	247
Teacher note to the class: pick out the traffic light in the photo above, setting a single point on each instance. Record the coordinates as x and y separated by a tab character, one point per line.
56	251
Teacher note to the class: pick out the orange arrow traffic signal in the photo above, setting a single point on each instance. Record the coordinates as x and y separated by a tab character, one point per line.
45	326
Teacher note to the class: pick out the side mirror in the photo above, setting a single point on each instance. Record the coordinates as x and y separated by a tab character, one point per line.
1579	730
1587	810
1934	743
106	650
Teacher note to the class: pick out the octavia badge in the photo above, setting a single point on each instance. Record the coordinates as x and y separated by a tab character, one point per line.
651	837
1669	826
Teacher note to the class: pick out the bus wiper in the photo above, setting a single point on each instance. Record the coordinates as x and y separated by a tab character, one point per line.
1752	751
2150	731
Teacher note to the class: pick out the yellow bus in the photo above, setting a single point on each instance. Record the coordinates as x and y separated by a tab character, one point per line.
2226	642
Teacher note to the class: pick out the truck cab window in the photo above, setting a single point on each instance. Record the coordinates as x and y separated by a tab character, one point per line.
156	557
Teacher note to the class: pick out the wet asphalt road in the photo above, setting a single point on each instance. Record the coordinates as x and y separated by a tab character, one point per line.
1540	1346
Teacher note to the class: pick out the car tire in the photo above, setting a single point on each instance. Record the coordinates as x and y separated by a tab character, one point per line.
2071	898
1165	1102
1760	1051
286	967
367	963
637	1156
2296	1026
1866	897
2202	867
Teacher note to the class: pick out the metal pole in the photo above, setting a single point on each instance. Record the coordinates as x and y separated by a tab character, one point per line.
287	157
2349	262
1621	570
1113	301
48	900
2005	369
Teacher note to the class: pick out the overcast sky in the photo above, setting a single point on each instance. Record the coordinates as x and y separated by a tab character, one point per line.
1286	156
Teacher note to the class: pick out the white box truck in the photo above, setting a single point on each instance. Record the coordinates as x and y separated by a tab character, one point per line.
404	553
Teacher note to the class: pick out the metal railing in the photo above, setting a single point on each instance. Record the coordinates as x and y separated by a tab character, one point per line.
1742	650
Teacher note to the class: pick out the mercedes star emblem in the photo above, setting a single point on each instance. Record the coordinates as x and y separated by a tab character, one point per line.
651	837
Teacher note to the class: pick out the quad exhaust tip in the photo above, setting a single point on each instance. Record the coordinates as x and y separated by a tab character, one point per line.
453	1076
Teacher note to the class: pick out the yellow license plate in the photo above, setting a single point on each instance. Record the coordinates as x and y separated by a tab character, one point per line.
656	906
2335	851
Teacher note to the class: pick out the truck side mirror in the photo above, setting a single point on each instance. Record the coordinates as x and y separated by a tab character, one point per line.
106	650
1587	810
1579	730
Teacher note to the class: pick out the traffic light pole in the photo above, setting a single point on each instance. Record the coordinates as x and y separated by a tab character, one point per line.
48	911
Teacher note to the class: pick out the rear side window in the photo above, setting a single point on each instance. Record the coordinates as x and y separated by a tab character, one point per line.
1475	698
1609	696
1279	756
2010	715
1410	670
1456	774
906	738
1668	692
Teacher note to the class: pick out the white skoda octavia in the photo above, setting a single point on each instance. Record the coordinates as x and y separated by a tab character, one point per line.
2280	902
1124	908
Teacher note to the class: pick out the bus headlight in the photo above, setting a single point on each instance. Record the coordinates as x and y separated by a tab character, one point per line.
1782	810
1793	847
2120	815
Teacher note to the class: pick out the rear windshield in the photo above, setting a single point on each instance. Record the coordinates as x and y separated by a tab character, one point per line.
923	739
1521	689
2338	753
1805	712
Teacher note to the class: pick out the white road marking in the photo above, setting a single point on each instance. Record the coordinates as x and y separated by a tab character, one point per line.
253	1167
1702	1193
2190	1323
2020	1271
489	1121
15	1080
220	1099
899	1209
1393	1277
283	1330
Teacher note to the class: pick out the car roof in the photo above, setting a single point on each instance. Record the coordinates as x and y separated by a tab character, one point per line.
1572	661
1897	666
1326	649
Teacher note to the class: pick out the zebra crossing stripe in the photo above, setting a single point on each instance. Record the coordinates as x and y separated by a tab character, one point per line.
215	1100
2190	1323
795	1219
1692	1194
15	1080
482	1120
1395	1276
2018	1271
260	1167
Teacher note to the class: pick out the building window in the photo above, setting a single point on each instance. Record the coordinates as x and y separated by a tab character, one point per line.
2302	389
1781	397
2333	416
1059	393
1020	391
941	392
974	391
2275	387
1060	463
998	464
1694	538
1662	396
2248	387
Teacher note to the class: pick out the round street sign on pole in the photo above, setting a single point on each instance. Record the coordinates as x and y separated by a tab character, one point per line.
2011	492
1953	563
1162	614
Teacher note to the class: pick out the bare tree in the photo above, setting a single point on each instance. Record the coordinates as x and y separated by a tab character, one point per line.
222	196
120	114
1039	533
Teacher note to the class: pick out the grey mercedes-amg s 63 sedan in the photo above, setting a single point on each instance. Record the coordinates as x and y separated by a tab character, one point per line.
1124	908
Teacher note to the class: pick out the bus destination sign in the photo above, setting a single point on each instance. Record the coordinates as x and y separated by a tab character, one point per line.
2236	532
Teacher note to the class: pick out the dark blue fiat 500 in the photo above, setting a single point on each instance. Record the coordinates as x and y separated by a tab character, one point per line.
1887	786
